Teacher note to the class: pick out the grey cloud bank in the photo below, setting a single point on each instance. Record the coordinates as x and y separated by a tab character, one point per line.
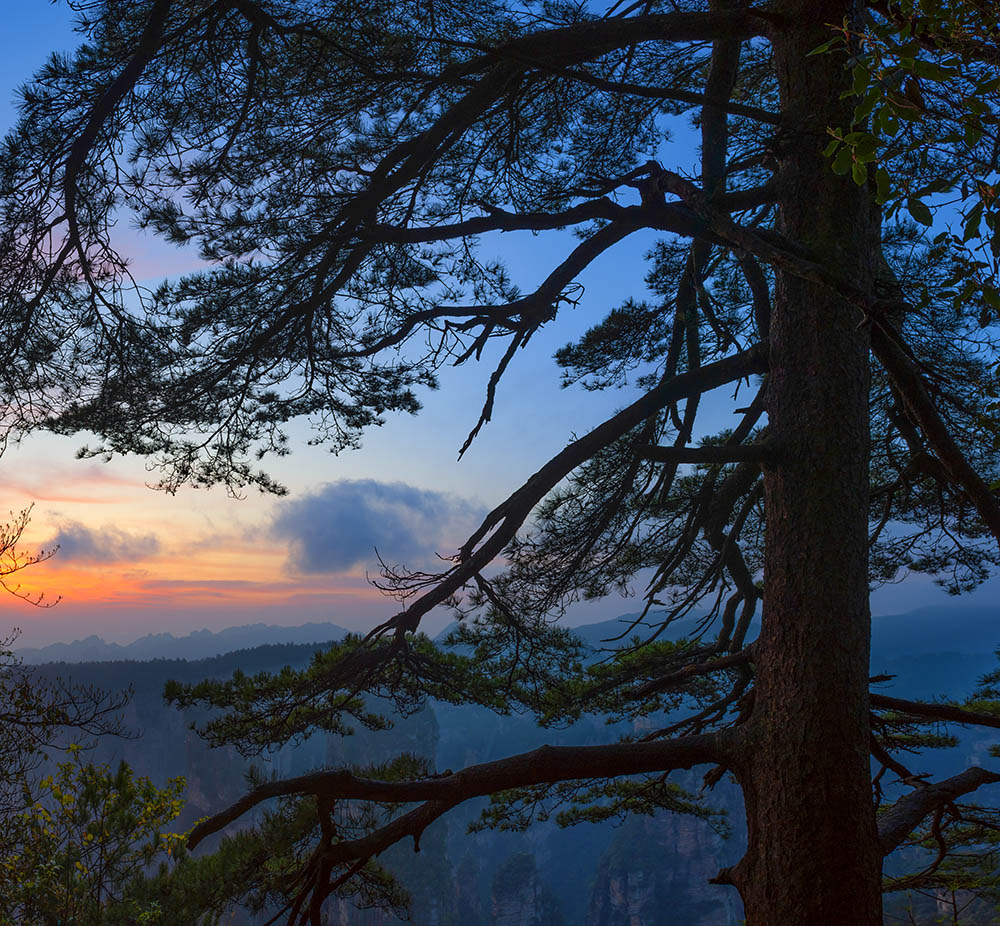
106	545
341	525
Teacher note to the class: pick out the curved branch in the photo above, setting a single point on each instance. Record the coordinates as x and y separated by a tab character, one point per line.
944	712
904	816
539	766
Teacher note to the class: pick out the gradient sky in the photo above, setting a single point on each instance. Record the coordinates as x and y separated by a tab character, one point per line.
133	561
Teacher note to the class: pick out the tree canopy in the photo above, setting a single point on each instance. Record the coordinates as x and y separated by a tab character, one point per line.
830	259
75	854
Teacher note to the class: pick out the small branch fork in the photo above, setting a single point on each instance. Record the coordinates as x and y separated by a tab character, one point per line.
896	824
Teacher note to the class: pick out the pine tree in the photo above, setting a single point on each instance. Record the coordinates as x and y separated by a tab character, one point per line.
340	166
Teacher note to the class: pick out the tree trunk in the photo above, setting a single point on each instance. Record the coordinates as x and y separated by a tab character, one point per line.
813	855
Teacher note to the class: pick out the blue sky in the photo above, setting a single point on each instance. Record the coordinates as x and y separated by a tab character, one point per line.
134	561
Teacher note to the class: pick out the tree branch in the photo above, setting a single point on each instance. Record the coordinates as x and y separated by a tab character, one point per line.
945	712
730	661
539	766
888	347
558	47
568	45
505	520
887	343
904	816
671	93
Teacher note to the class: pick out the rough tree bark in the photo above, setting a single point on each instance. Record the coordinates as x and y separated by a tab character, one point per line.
813	853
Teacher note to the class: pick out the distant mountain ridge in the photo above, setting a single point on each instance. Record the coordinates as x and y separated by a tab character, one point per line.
200	644
927	630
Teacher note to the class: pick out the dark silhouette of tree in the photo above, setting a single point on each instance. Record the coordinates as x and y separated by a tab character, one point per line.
339	165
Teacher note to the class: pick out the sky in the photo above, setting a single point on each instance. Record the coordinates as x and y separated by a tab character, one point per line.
132	560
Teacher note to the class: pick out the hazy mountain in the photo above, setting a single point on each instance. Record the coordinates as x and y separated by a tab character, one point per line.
201	644
928	630
939	629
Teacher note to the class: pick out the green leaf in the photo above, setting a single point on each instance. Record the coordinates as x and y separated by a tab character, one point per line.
971	228
919	211
972	135
866	149
991	296
843	161
825	47
883	185
932	71
860	173
864	109
862	77
888	121
909	113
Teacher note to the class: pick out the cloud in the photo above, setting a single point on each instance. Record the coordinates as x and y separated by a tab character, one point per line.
80	484
79	543
339	527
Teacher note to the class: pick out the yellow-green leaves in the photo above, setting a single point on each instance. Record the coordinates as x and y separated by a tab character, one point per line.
73	853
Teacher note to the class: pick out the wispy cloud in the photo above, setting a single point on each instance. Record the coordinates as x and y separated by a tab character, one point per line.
339	527
80	484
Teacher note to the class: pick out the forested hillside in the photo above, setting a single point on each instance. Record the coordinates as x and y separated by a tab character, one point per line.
639	871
